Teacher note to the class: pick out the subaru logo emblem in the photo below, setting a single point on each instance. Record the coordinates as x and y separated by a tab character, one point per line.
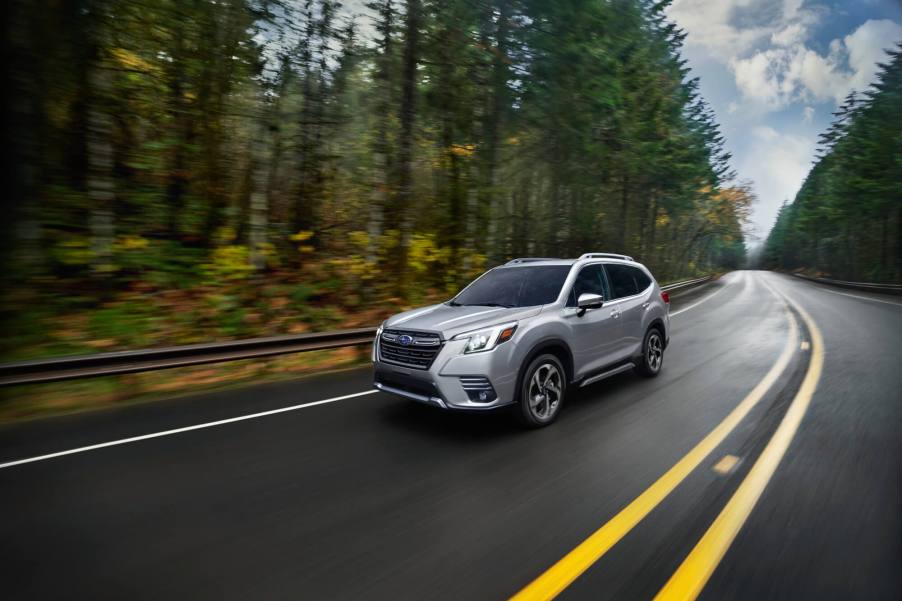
404	340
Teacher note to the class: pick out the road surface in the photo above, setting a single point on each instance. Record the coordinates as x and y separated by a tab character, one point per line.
774	433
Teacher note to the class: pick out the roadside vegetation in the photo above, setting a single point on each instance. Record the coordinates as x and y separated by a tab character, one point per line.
846	220
197	171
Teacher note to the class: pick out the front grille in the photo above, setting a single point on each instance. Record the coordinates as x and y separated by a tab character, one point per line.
419	351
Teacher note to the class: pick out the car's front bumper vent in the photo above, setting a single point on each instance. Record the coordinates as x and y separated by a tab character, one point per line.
478	389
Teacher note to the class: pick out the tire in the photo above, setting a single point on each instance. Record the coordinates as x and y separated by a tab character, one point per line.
542	391
649	363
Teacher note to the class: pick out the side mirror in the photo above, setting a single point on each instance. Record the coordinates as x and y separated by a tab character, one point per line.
587	301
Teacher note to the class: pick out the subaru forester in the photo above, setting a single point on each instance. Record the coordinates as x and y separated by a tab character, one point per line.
524	332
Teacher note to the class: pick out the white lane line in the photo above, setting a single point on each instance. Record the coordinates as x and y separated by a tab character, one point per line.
220	422
684	309
867	298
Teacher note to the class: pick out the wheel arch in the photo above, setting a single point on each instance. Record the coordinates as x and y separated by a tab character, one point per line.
553	346
658	323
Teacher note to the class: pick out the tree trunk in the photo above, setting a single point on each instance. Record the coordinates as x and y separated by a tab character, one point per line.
379	199
624	214
492	127
303	208
897	272
177	184
651	250
405	142
259	200
20	225
101	186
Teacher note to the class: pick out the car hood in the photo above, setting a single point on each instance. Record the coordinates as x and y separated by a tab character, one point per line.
451	321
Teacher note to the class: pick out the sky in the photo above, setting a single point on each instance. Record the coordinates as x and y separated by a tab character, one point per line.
774	71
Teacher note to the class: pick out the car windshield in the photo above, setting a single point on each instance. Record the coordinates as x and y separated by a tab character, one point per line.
525	286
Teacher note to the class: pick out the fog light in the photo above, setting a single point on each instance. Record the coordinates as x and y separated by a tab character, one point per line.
478	389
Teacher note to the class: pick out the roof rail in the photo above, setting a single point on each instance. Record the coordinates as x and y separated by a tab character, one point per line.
605	256
530	260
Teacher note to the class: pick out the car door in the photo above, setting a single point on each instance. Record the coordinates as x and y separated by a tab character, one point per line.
595	333
629	287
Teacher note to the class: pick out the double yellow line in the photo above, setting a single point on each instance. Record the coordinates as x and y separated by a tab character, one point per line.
689	579
692	575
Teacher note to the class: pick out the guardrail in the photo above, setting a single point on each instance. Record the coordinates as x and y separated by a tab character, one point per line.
125	362
866	286
686	284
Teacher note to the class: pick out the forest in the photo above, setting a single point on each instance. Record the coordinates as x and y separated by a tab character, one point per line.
197	170
846	220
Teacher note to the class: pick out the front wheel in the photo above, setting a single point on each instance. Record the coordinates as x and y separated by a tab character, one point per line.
649	364
542	391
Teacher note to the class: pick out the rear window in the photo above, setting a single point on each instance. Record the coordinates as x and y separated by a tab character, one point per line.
515	286
626	280
642	280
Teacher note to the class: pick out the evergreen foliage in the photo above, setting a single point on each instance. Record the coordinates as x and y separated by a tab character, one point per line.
201	146
846	220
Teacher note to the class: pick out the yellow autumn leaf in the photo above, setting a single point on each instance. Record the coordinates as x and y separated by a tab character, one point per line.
130	60
463	150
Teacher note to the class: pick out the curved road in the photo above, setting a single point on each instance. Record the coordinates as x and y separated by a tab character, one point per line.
768	453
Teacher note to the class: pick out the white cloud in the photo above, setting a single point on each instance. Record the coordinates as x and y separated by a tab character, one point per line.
867	46
808	114
765	133
708	26
777	163
774	78
725	29
793	33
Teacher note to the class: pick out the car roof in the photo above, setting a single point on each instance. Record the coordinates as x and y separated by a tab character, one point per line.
531	261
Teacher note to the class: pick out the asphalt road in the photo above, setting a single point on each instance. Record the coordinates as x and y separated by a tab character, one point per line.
375	497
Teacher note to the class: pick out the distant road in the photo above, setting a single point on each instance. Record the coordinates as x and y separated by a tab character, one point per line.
311	490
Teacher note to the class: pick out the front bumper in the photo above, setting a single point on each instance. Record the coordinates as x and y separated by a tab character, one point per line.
443	384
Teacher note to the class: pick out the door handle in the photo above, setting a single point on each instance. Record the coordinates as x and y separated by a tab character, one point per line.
645	305
615	313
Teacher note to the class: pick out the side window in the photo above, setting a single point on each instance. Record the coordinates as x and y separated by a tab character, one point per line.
590	279
623	282
642	280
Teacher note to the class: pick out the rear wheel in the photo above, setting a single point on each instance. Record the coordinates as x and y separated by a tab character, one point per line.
542	391
649	364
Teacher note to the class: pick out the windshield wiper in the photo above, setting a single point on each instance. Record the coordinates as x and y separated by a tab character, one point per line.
456	304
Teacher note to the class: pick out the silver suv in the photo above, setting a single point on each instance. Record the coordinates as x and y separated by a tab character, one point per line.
524	332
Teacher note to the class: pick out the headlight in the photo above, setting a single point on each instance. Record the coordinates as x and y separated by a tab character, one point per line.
487	338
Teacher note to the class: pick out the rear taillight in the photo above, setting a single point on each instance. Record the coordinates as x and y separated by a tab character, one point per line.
665	297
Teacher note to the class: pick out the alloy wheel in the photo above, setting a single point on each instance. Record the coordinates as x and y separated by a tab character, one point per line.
654	353
545	391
